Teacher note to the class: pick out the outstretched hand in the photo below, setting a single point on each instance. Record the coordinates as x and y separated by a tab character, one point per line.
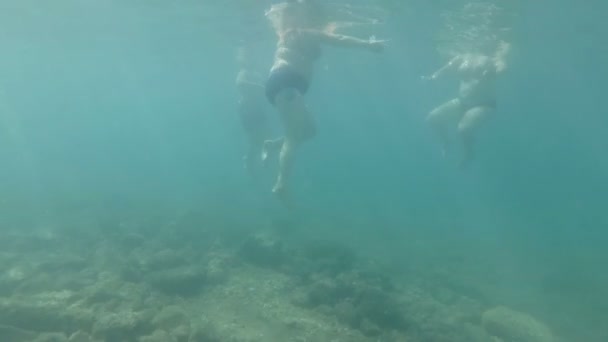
376	45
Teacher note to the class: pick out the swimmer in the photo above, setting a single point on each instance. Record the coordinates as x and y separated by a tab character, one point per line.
476	98
251	111
302	28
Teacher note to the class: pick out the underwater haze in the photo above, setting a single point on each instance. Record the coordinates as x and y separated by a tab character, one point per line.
126	213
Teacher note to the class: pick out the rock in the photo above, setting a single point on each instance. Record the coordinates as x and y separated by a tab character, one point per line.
80	336
165	259
132	240
63	263
51	337
475	333
183	281
217	268
121	326
100	295
357	301
204	332
40	242
380	308
171	318
13	334
329	256
130	271
511	325
37	282
326	292
181	333
50	311
369	328
158	336
346	313
263	250
11	278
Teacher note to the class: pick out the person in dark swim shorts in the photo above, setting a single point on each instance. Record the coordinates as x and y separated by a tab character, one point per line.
302	27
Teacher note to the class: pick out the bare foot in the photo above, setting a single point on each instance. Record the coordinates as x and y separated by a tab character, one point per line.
264	156
270	147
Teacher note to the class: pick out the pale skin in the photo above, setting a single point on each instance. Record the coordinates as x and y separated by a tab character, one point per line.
250	103
476	97
297	120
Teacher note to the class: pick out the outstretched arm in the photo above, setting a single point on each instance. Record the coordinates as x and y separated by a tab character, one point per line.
451	65
245	78
339	40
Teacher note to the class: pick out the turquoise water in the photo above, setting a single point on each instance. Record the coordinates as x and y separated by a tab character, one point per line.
125	110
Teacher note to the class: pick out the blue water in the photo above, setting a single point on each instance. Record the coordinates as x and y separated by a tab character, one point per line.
118	101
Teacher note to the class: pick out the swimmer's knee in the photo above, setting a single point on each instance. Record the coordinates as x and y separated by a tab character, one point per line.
462	126
465	127
433	118
472	119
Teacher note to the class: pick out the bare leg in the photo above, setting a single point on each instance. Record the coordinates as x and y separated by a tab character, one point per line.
467	127
270	147
299	127
440	117
256	137
286	159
